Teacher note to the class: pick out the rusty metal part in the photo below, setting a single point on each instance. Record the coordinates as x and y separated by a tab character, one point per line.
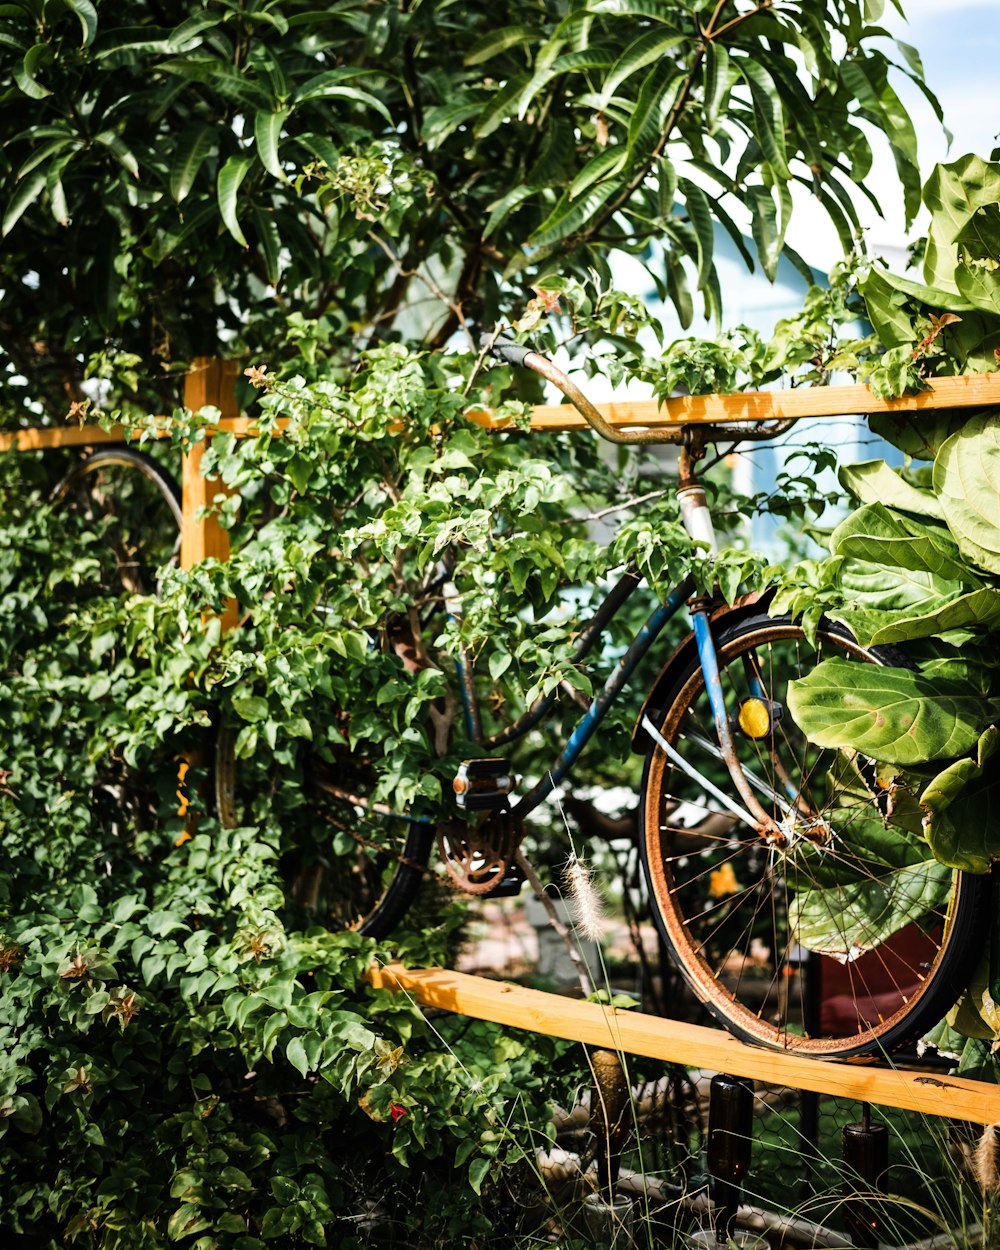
478	857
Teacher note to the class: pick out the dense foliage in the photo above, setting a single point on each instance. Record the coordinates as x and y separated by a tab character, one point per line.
182	183
184	1048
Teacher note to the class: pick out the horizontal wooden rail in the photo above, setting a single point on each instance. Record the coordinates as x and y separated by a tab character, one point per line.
689	1044
801	403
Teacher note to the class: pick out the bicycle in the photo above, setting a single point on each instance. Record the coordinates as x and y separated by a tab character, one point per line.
768	862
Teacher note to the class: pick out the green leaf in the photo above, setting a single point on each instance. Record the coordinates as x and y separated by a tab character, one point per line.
193	146
880	536
764	228
953	193
87	14
24	74
605	165
231	176
891	714
700	212
28	190
186	1221
477	1173
295	1053
867	912
498	41
648	48
719	79
963	815
441	121
570	215
652	107
769	116
267	132
873	481
967	483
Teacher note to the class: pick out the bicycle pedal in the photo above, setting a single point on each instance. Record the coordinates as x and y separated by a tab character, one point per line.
510	886
483	785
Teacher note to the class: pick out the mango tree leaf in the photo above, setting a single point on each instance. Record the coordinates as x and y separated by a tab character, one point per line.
498	41
719	79
967	483
443	120
873	481
192	148
647	49
656	95
769	116
571	215
860	915
891	714
24	73
267	131
28	190
87	14
231	175
764	228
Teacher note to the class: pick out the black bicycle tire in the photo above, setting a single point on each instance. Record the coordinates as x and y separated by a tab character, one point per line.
401	891
129	457
964	925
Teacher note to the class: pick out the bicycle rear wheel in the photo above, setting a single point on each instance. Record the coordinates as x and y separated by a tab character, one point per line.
357	864
134	505
848	945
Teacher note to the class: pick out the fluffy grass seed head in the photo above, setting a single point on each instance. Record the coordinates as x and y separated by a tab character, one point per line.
588	906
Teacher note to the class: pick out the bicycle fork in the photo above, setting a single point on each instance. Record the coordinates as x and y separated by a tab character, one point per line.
697	520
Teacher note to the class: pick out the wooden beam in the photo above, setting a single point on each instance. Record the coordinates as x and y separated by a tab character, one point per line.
689	1044
44	439
805	402
209	382
976	391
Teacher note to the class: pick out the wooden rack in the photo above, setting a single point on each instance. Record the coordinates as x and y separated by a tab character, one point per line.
211	383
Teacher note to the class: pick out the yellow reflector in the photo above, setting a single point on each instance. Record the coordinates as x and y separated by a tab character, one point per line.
755	718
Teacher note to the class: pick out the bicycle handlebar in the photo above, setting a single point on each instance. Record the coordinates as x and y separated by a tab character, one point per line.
518	355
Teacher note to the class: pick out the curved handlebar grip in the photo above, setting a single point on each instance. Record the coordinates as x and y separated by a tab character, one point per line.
507	350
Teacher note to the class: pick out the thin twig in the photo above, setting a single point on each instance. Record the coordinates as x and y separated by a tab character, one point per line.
428	281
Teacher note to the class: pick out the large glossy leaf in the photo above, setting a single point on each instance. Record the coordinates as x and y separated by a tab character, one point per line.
650	47
87	14
978	270
978	608
769	116
880	536
873	481
192	148
231	176
860	915
891	714
866	77
967	482
267	133
953	193
963	815
25	194
605	165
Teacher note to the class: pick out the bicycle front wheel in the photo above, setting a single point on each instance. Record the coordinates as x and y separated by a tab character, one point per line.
850	939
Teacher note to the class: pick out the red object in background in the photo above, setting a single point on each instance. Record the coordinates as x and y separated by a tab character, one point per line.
875	985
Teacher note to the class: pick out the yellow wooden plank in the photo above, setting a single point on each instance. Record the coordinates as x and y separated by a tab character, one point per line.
979	391
689	1044
39	439
209	382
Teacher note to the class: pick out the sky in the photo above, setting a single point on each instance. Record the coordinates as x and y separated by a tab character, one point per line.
959	43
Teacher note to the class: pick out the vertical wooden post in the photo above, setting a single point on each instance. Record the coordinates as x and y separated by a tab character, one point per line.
209	382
